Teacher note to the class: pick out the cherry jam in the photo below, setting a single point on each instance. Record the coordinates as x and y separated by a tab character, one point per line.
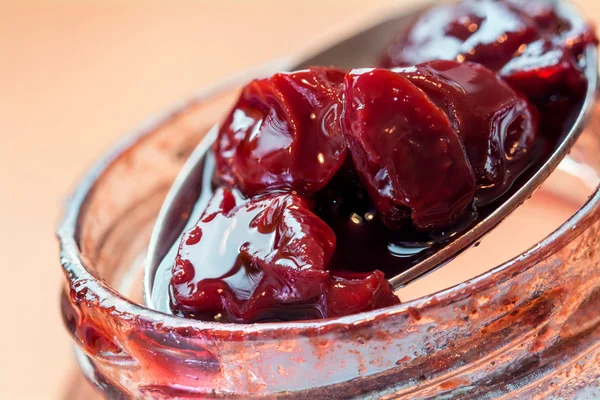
327	181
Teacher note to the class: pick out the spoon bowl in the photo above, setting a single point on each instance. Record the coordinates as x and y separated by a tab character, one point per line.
191	190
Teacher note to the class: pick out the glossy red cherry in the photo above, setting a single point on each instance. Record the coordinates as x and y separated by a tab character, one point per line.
528	42
543	69
284	133
264	260
350	293
417	133
485	31
498	126
410	158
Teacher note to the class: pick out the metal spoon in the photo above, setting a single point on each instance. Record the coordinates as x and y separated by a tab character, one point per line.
362	48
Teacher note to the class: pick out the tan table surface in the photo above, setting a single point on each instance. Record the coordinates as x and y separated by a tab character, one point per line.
74	77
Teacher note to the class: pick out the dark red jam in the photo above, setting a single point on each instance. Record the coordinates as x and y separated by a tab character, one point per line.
409	158
329	181
265	259
284	133
424	138
531	45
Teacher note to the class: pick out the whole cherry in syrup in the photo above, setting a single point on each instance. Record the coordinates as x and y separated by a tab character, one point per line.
265	259
284	132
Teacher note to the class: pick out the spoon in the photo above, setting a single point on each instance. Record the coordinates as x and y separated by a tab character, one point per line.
190	192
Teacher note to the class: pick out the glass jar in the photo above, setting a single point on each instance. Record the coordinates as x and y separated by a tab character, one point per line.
528	328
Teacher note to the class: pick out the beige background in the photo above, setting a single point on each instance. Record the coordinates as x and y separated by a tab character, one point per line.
74	77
